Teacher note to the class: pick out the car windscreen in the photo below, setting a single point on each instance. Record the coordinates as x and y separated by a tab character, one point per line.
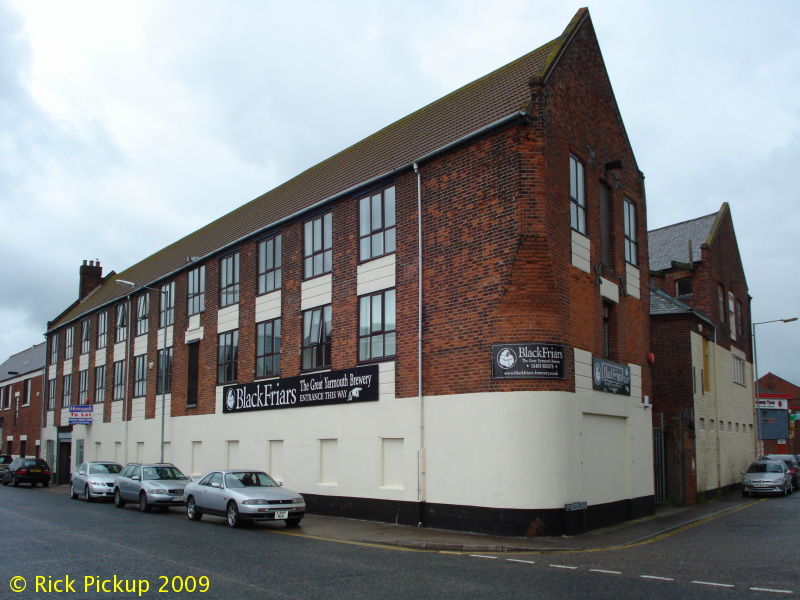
104	469
769	467
248	479
151	473
5	460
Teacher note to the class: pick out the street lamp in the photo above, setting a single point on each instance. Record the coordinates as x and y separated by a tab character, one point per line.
163	363
759	448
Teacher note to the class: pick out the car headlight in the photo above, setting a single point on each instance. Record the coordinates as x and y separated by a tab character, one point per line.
158	491
97	483
298	499
259	501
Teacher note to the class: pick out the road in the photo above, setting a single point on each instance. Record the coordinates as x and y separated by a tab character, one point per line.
99	551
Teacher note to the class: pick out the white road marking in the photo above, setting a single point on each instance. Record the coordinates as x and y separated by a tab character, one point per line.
726	585
769	590
656	577
563	567
483	556
604	571
527	562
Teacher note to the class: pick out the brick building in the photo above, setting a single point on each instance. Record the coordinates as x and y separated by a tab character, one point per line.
21	402
770	386
702	375
444	324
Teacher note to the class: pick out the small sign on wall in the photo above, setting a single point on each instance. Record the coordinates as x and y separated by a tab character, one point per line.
529	361
611	377
80	414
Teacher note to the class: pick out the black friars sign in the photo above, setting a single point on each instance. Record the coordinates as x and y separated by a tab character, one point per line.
333	387
611	377
529	361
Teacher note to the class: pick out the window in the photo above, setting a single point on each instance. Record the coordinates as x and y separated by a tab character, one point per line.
51	394
164	375
54	349
229	280
268	348
576	195
683	287
318	240
119	380
630	231
83	386
122	322
139	375
193	372
739	318
269	265
102	329
376	325
142	313
606	228
99	384
85	336
70	347
721	300
706	371
732	315
67	391
196	291
228	356
376	224
607	329
317	338
738	370
26	392
166	315
702	424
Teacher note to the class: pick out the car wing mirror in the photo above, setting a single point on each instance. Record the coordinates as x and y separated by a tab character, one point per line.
135	478
216	485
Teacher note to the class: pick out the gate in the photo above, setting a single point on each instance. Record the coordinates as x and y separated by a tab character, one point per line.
659	464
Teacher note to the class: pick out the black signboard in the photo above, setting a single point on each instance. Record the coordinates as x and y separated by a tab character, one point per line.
317	389
611	377
529	361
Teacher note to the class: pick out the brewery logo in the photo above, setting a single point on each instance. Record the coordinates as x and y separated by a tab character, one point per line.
506	358
230	400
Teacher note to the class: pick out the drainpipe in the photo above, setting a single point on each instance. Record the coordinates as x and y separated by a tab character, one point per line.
421	477
128	335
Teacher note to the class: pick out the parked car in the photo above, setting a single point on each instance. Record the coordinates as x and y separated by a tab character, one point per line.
159	484
5	460
243	496
94	479
27	470
791	464
767	476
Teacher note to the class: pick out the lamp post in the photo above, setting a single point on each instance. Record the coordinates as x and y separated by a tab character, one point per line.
759	447
161	364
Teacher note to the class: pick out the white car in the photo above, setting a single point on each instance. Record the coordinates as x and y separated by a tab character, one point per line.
242	496
94	480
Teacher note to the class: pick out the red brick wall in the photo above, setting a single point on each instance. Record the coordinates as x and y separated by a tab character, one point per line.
20	419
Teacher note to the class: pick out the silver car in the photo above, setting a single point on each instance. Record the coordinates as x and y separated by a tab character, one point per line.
767	476
160	485
94	479
243	496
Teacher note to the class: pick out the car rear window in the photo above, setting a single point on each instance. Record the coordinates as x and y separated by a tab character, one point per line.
4	460
104	469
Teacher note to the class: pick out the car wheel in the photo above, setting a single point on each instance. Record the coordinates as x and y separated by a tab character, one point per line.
4	481
192	511
118	501
88	493
143	505
293	521
745	494
14	481
234	518
46	484
72	493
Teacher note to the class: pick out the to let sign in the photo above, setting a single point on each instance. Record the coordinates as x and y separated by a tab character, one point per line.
529	361
80	414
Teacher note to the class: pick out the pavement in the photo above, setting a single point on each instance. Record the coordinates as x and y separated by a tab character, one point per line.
666	520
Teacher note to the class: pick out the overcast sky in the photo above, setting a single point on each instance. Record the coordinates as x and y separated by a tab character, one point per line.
127	125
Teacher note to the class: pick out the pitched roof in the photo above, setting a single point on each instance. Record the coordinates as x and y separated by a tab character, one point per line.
662	303
23	363
494	97
671	243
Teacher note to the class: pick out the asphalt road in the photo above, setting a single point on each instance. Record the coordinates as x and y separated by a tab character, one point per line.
71	549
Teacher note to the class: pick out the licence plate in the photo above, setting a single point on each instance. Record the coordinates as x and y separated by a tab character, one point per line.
177	498
36	470
761	485
281	514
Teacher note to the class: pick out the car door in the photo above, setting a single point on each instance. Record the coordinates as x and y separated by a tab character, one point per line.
215	494
80	482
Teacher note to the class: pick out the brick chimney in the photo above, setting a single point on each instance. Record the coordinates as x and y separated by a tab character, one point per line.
90	278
